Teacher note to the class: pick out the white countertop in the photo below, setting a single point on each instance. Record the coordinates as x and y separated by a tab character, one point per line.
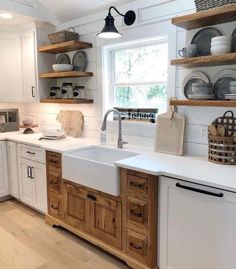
194	169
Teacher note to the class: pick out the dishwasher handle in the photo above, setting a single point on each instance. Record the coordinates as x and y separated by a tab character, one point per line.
220	195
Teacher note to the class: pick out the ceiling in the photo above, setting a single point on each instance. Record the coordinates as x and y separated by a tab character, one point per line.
16	20
67	10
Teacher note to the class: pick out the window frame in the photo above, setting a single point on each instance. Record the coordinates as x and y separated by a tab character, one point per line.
111	64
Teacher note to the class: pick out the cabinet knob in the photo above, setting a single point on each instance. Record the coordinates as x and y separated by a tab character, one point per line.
137	185
30	152
32	91
136	214
135	246
92	197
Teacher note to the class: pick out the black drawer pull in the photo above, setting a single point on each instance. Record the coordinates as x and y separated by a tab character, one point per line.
30	152
92	197
138	185
220	195
54	207
53	161
136	214
135	246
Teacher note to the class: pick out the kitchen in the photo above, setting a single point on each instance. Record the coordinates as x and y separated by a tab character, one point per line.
150	187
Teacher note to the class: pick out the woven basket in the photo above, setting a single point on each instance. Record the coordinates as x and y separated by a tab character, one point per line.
207	4
222	150
63	36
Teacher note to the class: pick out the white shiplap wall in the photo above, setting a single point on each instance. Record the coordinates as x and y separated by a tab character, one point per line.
153	20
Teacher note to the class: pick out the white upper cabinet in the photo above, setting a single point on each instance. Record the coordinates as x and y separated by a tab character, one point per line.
29	74
10	69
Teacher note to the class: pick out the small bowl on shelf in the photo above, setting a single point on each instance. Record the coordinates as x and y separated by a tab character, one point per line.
223	38
220	49
232	89
62	67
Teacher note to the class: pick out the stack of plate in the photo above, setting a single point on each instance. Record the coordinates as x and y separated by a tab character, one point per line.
232	89
221	45
202	90
53	134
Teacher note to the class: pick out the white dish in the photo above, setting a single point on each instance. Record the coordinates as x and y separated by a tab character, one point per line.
233	83
201	97
62	67
232	89
218	43
222	38
201	90
220	49
53	133
193	77
230	96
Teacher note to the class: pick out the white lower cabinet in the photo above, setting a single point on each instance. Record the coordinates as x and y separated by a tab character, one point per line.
32	181
4	186
197	226
13	169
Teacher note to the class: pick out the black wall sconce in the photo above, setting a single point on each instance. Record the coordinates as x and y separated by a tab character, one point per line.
109	30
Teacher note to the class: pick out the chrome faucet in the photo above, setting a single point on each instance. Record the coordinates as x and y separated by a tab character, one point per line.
120	142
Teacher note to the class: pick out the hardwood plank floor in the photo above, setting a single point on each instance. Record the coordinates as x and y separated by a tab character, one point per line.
26	242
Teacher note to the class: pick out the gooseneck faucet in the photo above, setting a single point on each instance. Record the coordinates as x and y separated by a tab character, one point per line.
120	142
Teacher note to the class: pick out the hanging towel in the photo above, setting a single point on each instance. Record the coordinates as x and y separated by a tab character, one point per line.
71	121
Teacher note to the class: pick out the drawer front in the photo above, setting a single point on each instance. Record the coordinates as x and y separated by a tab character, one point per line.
137	246
55	206
137	212
136	183
54	181
53	160
32	153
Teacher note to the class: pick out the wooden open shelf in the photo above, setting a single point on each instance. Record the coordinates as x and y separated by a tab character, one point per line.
211	60
67	101
207	17
69	74
65	47
215	103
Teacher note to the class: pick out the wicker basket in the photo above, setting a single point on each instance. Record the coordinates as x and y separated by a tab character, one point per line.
222	150
63	36
207	4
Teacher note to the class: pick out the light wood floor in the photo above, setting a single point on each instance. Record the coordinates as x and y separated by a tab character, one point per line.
26	242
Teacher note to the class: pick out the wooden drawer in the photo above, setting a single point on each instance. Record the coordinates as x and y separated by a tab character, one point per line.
137	182
136	213
55	206
32	153
53	160
54	180
137	246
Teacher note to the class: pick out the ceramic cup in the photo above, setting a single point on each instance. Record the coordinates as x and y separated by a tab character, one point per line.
190	51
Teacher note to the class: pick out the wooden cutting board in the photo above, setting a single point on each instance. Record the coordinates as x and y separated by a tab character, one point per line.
170	133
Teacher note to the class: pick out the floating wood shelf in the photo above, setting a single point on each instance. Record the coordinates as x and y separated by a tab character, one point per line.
69	74
65	47
207	17
67	101
211	60
215	103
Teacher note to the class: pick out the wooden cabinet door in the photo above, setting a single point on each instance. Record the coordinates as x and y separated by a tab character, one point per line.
29	66
76	207
10	69
25	182
4	188
106	219
40	186
12	169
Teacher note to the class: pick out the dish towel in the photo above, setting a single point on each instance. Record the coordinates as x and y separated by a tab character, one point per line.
71	121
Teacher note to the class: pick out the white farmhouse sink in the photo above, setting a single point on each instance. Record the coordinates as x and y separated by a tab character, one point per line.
94	167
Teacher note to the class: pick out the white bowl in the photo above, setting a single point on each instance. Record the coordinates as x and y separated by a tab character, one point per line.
233	83
222	38
62	67
220	42
220	49
232	90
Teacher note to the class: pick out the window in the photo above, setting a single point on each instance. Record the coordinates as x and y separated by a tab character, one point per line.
138	75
